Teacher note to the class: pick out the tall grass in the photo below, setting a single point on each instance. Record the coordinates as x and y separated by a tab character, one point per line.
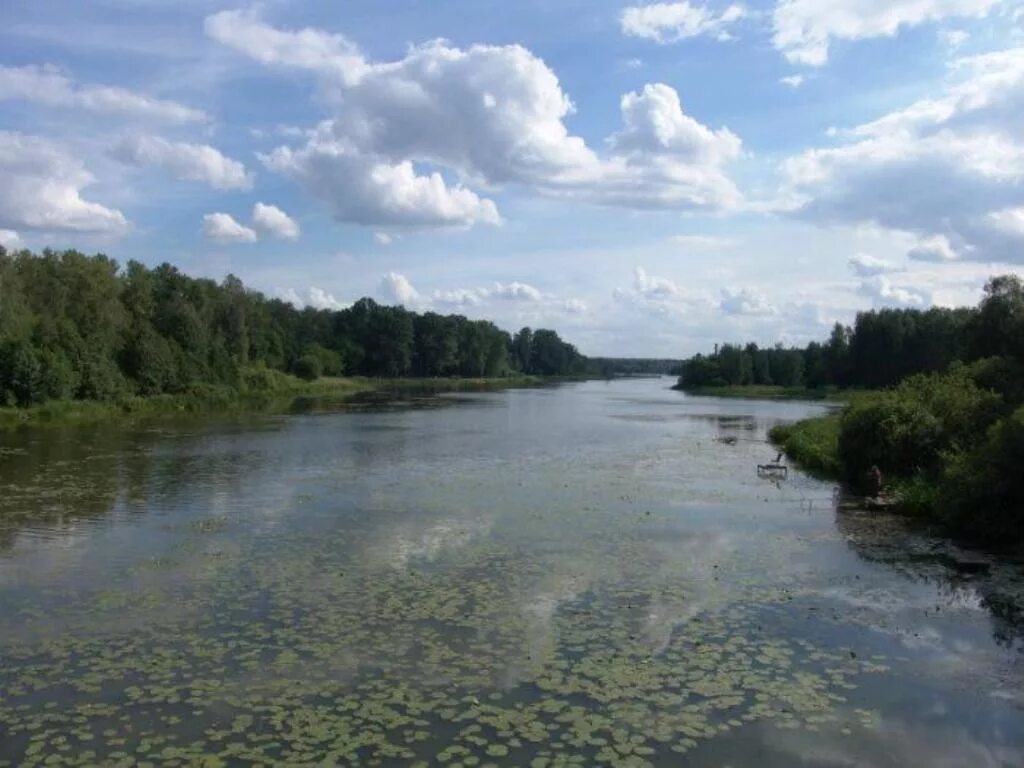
812	443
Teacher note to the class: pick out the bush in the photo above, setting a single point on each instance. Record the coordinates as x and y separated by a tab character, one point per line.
308	367
331	362
982	492
911	429
21	374
259	378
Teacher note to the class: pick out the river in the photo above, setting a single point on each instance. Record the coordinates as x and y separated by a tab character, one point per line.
585	574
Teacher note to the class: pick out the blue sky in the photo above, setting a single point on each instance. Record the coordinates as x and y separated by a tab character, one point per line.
647	178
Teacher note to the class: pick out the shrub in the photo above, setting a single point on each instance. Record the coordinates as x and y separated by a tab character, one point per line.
308	367
911	429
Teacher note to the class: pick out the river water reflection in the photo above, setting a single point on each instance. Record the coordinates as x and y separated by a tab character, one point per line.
586	574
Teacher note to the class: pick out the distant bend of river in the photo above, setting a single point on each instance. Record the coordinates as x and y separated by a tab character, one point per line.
588	574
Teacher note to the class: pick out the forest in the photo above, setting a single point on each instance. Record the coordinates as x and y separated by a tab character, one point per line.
78	327
936	404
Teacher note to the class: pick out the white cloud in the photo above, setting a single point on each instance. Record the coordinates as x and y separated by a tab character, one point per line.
191	162
409	139
395	288
41	189
936	249
271	220
49	86
941	169
575	307
317	298
10	239
321	299
884	294
672	22
655	123
309	49
383	238
793	81
745	301
222	228
804	29
460	297
364	190
866	265
516	291
651	287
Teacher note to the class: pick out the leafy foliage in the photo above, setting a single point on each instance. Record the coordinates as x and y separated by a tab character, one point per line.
949	438
78	327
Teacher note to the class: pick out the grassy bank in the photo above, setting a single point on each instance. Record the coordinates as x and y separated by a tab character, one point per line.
813	444
766	392
269	391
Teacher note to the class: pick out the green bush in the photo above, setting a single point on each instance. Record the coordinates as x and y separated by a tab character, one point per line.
259	378
911	429
982	492
331	362
308	367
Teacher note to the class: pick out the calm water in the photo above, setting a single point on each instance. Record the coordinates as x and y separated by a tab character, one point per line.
579	575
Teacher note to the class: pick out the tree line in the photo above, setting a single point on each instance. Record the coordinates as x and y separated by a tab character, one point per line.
881	349
74	326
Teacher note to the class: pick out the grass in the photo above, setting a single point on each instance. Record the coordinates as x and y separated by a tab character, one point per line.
262	390
767	392
812	443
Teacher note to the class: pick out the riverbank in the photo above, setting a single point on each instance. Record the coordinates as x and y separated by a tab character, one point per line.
765	392
813	444
274	395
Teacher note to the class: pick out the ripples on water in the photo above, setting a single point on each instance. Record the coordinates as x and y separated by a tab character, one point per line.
579	575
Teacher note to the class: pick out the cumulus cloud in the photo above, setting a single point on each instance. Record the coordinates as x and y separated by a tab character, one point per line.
652	287
884	294
672	22
383	238
745	301
222	228
943	169
866	265
367	190
804	29
516	292
395	288
655	123
793	81
575	307
271	220
49	86
317	298
41	189
321	299
936	249
408	139
191	162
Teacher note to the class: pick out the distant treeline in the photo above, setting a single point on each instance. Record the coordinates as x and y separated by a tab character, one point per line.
881	349
79	327
610	366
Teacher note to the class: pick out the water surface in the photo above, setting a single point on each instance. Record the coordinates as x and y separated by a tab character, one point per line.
587	574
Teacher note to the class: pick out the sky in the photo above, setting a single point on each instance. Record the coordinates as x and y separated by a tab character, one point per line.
648	179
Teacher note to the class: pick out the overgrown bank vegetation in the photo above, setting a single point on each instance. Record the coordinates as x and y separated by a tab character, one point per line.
79	328
941	415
